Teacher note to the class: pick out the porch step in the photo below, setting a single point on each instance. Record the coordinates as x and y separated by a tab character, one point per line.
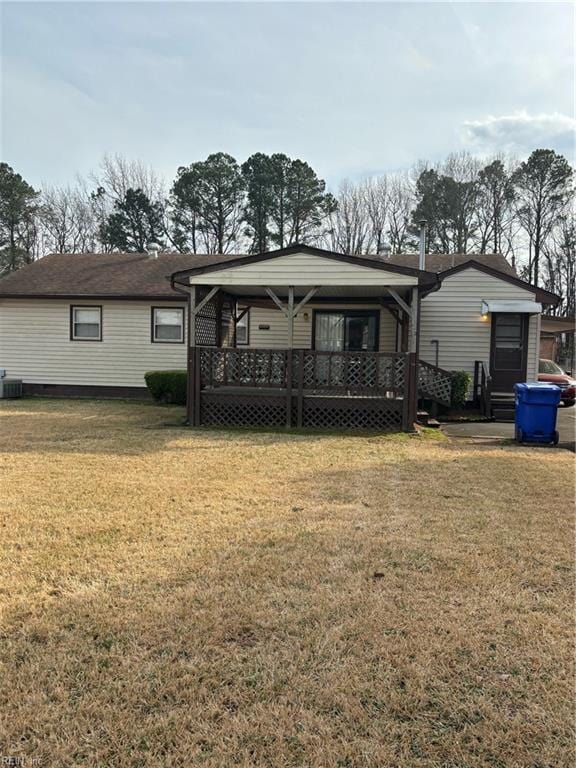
503	408
426	420
504	414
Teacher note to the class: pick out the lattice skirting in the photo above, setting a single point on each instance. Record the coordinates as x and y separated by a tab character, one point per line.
237	410
352	413
242	411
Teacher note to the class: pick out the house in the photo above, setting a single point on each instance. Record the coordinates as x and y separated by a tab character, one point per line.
298	336
554	335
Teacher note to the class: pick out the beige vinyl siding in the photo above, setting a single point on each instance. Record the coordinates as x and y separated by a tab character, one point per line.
453	316
277	334
303	270
35	344
387	341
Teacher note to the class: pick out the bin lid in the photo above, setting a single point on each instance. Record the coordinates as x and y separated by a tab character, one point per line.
535	386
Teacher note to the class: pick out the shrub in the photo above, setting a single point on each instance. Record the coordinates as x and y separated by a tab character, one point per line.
167	386
460	385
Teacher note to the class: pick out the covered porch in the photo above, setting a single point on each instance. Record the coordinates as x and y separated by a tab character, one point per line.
329	364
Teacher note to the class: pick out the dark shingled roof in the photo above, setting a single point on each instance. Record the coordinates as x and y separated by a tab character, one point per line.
137	275
103	274
440	262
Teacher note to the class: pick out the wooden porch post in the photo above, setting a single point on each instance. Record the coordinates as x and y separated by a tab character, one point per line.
414	321
412	390
194	389
191	393
290	313
235	323
413	357
300	393
219	313
289	356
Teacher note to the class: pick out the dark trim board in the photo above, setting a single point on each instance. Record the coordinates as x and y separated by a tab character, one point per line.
92	297
87	390
338	301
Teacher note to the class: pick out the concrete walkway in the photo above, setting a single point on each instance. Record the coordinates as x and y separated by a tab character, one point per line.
565	424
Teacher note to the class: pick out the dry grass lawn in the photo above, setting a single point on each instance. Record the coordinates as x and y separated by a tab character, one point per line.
179	598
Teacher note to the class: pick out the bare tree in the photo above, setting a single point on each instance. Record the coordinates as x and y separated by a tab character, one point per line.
116	175
375	192
559	268
400	205
372	212
69	220
348	228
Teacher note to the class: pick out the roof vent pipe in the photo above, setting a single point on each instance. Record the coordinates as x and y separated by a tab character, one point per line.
422	245
384	250
153	249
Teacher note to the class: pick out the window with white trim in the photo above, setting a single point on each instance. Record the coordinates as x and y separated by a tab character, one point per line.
86	323
168	325
242	328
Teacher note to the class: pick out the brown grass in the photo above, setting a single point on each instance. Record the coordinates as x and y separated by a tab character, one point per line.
179	598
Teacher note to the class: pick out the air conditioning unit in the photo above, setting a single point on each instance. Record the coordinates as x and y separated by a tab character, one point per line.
10	388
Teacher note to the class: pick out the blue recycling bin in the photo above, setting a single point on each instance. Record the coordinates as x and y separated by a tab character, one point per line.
536	409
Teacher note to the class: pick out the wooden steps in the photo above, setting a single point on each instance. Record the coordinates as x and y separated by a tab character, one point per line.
426	420
503	407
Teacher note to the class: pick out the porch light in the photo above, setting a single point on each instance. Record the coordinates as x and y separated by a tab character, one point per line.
485	311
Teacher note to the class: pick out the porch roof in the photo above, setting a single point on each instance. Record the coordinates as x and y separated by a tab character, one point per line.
336	275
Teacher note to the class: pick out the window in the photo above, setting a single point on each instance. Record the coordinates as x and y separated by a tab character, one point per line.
550	367
167	325
508	341
86	323
242	327
348	331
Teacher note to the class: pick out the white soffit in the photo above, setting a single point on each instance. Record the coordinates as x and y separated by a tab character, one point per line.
524	307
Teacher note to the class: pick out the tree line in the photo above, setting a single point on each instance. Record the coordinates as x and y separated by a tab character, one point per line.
523	210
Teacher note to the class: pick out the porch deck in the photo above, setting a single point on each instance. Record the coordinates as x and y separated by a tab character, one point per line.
261	391
303	388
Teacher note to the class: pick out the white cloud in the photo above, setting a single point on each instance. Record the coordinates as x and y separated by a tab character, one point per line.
520	133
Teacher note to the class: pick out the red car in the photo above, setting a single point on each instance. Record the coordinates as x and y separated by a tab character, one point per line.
551	372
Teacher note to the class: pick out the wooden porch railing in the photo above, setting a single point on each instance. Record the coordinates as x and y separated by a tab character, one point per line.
358	373
434	383
482	393
309	388
233	367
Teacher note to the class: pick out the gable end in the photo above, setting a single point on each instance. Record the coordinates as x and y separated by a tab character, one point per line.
541	295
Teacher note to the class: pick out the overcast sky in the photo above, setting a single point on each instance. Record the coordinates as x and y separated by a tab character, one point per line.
353	88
